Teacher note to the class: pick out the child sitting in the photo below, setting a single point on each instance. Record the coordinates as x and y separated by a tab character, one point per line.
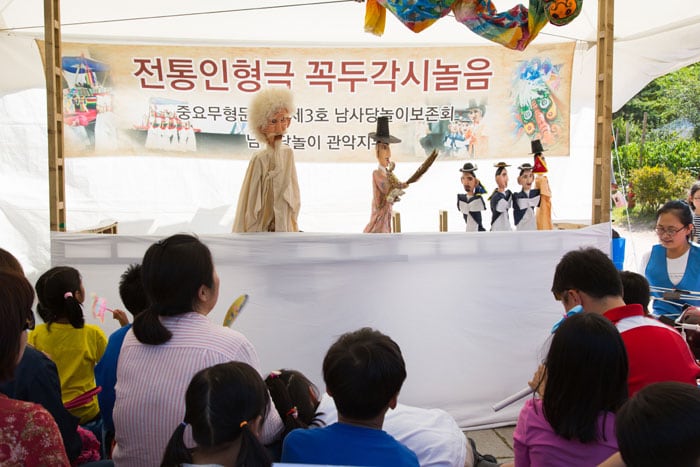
224	406
364	371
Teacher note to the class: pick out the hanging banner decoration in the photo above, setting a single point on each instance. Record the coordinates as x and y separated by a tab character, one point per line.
464	102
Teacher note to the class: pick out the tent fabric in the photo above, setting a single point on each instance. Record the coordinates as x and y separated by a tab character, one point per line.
471	325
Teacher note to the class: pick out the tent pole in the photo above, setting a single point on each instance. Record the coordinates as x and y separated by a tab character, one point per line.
54	111
603	113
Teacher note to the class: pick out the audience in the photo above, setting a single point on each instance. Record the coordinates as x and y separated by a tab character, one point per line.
655	352
75	347
224	406
36	380
28	433
363	371
167	345
134	299
582	383
432	434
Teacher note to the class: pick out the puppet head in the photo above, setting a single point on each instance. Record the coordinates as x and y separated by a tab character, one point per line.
526	178
501	175
264	106
540	164
562	12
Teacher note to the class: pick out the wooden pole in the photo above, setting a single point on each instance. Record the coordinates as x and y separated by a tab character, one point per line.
54	111
603	113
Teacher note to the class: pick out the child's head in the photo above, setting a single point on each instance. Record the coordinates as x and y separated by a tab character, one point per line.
60	294
295	397
659	426
223	404
635	289
9	263
178	276
674	216
131	290
694	197
364	371
16	299
469	180
586	373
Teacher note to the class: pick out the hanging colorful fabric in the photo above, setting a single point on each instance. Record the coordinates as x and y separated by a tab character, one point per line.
417	15
514	28
375	17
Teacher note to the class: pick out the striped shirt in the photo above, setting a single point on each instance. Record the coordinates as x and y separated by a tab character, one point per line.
152	381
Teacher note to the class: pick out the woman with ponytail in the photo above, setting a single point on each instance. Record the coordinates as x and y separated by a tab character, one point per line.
75	347
170	342
224	407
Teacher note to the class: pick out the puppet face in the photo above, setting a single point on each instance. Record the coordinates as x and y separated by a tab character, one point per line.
383	154
277	125
469	181
526	179
502	180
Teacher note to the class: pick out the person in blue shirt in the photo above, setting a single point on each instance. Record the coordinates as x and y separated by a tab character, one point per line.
135	300
363	371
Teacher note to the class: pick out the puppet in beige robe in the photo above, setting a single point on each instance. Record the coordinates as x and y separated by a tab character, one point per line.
269	200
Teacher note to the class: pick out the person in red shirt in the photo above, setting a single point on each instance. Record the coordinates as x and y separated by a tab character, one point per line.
656	352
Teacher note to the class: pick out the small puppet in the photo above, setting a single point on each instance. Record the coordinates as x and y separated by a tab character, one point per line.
386	188
526	200
501	200
269	200
471	203
544	211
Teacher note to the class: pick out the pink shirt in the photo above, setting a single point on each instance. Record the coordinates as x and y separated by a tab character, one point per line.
535	443
152	381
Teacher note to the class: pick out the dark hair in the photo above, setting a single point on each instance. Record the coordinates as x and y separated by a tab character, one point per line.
131	290
9	263
695	187
291	392
56	290
589	270
681	210
586	374
635	289
172	271
220	402
16	299
659	426
500	169
363	370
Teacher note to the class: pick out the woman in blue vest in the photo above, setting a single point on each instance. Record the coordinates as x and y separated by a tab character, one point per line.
675	262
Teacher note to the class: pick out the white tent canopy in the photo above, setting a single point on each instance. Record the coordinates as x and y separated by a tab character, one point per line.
161	195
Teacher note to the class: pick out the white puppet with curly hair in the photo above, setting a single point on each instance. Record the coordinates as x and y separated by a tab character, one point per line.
269	200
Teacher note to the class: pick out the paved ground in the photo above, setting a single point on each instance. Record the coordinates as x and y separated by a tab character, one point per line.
496	441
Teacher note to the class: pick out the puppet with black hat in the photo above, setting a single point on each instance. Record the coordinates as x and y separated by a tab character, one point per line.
501	200
471	203
544	211
526	200
386	188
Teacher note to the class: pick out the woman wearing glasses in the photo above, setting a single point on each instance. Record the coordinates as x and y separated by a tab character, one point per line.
674	263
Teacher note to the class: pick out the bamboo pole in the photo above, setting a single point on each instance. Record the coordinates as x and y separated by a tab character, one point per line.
603	113
54	111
